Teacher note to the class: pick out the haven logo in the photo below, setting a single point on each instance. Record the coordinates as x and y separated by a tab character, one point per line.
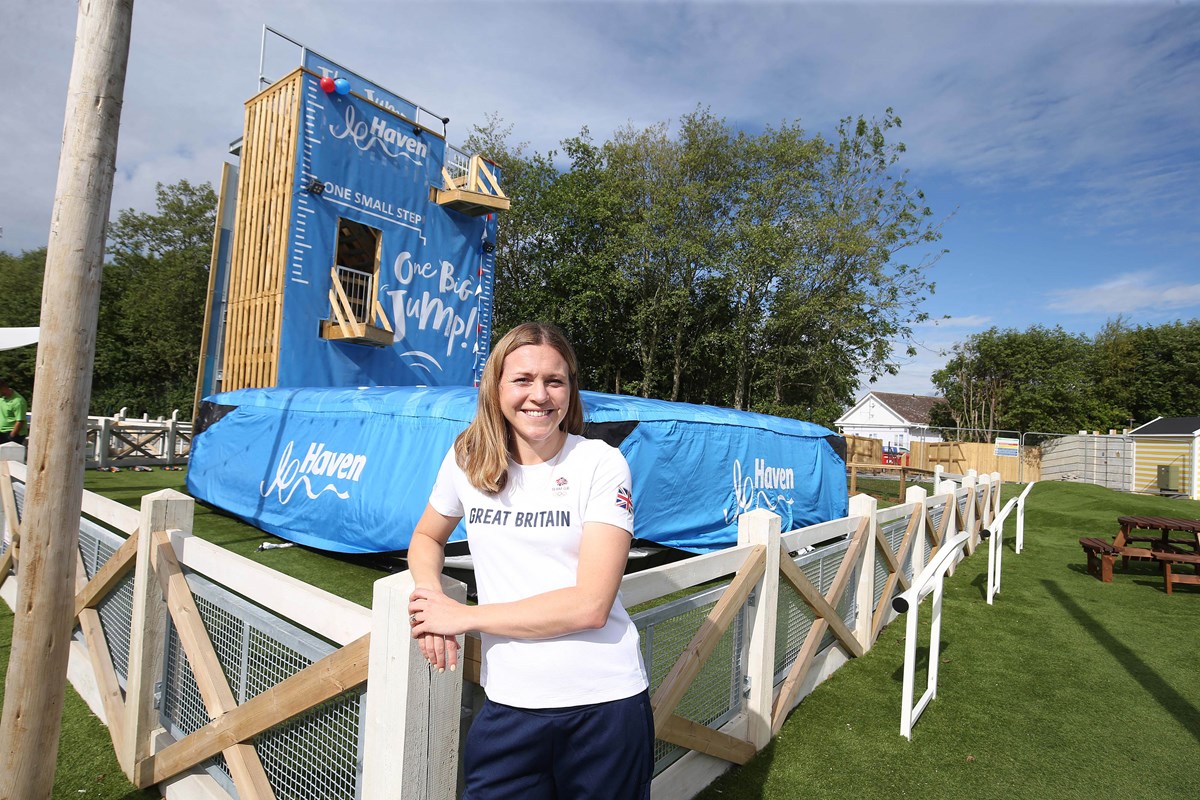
391	140
767	487
318	465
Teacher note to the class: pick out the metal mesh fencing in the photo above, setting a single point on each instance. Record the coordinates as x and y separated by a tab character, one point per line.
795	618
716	694
936	514
96	546
893	534
312	756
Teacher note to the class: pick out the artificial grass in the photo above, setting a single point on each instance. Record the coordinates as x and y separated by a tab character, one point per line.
348	576
87	766
1066	687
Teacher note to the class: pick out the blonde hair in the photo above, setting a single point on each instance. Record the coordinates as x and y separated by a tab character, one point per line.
483	449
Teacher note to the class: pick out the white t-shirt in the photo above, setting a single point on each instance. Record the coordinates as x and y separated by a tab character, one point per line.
524	541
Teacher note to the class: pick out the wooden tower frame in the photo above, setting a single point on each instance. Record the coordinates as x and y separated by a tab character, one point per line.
259	253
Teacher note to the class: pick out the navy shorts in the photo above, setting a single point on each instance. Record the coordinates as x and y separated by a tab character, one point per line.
603	751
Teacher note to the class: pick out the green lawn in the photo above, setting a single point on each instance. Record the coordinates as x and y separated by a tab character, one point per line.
1065	688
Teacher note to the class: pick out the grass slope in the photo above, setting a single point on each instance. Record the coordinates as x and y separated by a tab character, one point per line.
1065	688
347	576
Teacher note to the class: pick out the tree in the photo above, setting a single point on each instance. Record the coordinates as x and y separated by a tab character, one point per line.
709	265
20	307
152	303
1034	380
1149	372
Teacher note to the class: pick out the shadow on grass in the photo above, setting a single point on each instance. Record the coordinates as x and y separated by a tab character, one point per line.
921	667
1171	701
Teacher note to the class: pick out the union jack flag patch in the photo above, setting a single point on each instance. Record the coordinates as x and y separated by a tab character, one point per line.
625	499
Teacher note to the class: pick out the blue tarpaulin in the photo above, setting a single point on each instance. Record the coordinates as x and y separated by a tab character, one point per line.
350	470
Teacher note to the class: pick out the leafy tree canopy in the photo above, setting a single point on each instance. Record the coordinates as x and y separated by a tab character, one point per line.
152	299
1049	380
705	264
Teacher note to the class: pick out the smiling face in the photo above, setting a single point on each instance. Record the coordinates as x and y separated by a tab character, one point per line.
535	395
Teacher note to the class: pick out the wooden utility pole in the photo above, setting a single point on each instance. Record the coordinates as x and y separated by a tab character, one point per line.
37	670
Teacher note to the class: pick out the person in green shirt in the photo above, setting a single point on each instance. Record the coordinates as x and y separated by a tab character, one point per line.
13	409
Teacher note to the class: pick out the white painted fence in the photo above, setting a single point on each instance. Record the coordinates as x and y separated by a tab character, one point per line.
759	626
121	442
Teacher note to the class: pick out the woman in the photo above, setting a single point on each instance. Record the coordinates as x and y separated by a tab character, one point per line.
549	518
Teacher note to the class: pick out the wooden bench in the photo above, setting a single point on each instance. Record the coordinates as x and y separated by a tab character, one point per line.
1100	555
1173	556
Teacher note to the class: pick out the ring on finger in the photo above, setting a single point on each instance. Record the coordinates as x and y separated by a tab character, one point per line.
412	619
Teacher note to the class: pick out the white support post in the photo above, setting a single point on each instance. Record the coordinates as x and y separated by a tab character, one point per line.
413	713
988	487
970	481
1020	538
916	551
997	482
930	581
170	438
995	536
103	437
10	451
862	505
761	527
938	472
161	511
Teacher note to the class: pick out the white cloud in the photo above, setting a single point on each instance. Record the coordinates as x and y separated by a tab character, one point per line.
1131	291
977	321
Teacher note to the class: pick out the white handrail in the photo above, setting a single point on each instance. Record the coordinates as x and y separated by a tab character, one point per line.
931	580
1021	517
994	533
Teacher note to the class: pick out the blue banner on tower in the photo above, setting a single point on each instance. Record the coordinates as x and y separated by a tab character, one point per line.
367	242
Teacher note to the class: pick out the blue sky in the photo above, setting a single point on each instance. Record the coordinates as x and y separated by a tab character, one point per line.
1061	140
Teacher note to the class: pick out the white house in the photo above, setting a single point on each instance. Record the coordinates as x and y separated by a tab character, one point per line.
895	419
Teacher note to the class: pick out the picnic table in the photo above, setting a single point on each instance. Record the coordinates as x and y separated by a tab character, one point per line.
1175	542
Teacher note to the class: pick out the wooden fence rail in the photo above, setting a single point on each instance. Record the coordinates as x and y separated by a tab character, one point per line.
119	442
837	578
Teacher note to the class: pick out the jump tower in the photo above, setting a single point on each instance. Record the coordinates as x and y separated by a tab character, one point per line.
349	319
354	245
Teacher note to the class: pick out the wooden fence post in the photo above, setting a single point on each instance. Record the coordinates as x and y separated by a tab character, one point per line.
762	527
997	482
983	510
10	451
161	511
969	523
35	686
862	505
917	494
413	713
947	489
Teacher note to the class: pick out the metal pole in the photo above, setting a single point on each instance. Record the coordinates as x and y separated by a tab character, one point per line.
44	616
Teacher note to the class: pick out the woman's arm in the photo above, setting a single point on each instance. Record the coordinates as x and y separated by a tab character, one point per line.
604	550
426	556
427	548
